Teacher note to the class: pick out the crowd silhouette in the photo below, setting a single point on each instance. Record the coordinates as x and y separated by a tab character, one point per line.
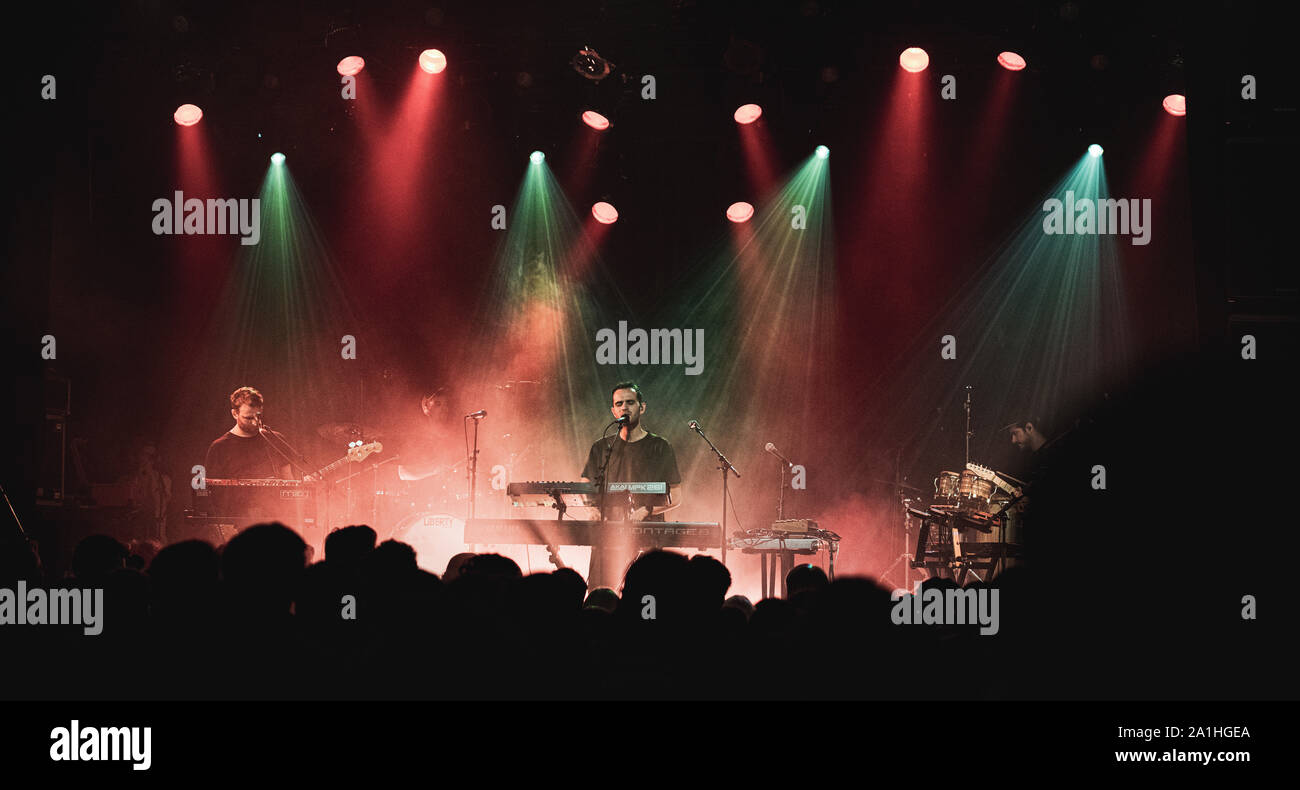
255	619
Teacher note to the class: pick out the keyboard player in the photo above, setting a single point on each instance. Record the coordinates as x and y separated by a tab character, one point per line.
241	451
634	455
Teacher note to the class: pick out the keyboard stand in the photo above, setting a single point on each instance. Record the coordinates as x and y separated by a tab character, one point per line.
769	558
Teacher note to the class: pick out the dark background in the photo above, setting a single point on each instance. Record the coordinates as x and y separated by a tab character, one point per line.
129	315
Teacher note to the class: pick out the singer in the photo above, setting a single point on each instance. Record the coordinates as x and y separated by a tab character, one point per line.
241	451
633	456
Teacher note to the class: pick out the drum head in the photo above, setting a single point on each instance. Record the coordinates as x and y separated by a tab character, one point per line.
436	538
945	485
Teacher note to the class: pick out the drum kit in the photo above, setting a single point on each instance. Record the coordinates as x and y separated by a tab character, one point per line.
425	505
971	524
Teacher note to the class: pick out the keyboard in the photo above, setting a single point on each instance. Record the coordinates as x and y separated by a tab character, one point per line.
642	534
542	493
256	500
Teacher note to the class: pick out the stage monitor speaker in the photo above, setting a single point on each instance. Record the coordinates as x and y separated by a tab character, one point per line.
51	482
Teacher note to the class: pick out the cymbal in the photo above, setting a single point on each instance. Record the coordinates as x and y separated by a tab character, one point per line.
346	431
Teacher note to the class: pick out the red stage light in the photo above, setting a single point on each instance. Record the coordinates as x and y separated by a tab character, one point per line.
1011	61
747	113
187	115
595	120
740	211
604	213
1175	104
351	66
914	59
433	61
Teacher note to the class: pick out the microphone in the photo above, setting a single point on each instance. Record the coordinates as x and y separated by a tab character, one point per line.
622	420
726	465
771	448
478	415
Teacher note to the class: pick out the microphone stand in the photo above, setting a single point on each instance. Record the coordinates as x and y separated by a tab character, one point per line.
786	467
780	502
17	521
968	433
600	478
724	466
265	432
597	566
905	556
473	468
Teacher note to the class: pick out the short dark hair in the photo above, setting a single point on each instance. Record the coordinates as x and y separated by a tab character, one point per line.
245	395
1022	421
627	385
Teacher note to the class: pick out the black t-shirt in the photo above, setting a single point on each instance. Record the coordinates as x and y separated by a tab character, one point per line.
650	460
242	456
